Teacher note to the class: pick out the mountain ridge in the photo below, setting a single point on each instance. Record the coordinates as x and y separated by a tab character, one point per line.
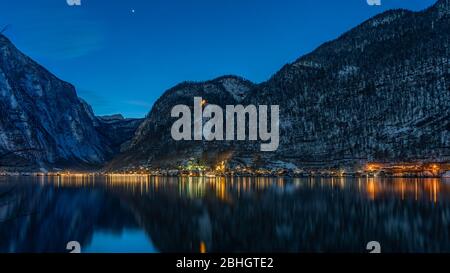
338	105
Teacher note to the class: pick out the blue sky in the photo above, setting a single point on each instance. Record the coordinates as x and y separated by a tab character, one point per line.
123	54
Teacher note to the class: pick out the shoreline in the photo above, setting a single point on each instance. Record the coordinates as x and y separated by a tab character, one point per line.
95	174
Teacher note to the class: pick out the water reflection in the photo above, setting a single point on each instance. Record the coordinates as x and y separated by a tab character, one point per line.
171	214
132	241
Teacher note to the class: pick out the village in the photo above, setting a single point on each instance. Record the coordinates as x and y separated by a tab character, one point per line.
405	170
194	168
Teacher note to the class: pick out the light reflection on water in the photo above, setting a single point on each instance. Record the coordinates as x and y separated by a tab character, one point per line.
196	187
188	214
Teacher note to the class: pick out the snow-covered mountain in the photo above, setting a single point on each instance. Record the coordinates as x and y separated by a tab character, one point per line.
380	92
43	123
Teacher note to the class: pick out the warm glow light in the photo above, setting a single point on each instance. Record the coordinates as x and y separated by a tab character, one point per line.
373	167
202	247
221	167
371	189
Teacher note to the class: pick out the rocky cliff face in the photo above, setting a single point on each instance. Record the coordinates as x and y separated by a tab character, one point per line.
43	123
380	92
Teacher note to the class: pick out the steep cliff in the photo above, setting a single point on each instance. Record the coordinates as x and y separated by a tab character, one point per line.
43	123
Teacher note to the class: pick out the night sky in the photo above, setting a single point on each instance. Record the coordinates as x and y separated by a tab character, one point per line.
123	54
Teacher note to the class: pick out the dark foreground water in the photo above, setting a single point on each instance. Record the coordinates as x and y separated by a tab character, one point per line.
156	214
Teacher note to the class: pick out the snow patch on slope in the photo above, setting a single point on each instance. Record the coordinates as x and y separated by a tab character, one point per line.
236	88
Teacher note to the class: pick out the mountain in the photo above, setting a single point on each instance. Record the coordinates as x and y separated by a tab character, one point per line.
43	123
153	143
380	92
117	131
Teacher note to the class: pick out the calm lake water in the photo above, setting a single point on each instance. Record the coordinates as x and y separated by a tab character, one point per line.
156	214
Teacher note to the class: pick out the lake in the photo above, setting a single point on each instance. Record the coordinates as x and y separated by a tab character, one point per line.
142	214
